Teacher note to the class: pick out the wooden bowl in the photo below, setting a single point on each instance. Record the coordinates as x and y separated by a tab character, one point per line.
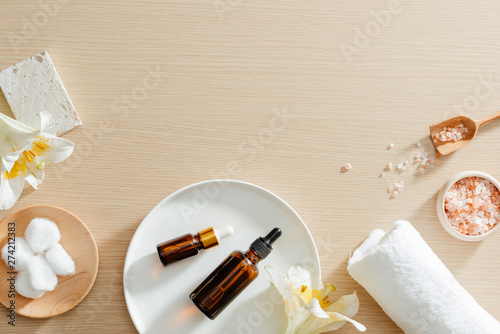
77	240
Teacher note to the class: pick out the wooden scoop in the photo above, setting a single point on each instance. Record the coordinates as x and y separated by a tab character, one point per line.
450	146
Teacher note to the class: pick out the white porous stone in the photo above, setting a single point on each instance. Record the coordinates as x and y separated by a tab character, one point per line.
32	86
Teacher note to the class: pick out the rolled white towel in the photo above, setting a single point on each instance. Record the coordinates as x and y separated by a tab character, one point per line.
413	286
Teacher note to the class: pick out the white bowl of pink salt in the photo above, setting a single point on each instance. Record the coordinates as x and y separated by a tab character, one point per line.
468	205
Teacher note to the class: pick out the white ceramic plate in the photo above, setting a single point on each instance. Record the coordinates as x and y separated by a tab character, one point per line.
158	298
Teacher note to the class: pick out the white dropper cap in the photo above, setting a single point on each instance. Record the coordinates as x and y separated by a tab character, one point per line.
224	232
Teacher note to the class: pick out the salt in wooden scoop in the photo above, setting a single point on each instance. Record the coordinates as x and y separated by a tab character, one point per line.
447	147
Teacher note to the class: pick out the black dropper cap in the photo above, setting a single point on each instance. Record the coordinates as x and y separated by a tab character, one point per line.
263	244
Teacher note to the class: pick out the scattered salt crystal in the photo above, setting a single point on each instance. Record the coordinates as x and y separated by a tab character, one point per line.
391	145
419	144
347	167
406	163
395	189
389	166
421	171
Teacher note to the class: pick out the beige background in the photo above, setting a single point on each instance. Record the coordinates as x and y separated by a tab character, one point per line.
222	69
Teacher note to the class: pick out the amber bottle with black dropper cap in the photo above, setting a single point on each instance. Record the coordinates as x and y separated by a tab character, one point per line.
232	276
188	245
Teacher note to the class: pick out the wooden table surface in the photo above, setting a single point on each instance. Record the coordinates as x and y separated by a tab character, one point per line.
171	92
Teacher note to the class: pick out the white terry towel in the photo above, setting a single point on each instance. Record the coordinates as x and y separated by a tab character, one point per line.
414	287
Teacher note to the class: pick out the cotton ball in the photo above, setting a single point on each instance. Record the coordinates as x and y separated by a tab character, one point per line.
60	261
20	255
42	277
24	287
41	234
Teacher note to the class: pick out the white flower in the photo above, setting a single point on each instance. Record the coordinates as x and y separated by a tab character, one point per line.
307	306
24	152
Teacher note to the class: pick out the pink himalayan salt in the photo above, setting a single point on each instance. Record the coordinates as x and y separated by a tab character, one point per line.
452	134
472	206
395	189
347	167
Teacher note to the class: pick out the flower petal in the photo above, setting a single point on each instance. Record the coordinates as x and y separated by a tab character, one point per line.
46	121
298	277
59	149
314	307
20	134
296	320
10	191
347	305
317	323
281	283
34	176
10	126
338	320
14	138
9	159
316	319
301	282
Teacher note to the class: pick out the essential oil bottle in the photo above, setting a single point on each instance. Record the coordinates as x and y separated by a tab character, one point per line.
232	276
190	245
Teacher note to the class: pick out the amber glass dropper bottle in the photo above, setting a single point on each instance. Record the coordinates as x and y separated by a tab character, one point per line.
190	245
232	276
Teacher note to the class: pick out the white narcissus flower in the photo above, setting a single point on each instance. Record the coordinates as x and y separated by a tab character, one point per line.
24	152
307	306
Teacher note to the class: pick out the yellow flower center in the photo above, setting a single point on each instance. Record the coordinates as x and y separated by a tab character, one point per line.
322	298
324	303
39	148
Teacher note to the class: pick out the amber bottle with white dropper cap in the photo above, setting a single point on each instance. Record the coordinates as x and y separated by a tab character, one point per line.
189	245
